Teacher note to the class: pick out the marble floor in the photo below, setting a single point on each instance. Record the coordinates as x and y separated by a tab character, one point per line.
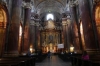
54	61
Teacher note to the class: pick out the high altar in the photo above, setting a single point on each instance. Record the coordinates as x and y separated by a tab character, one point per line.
50	37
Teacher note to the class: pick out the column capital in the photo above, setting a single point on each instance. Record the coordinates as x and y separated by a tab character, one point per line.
35	23
64	18
96	1
3	2
27	5
32	23
64	22
73	3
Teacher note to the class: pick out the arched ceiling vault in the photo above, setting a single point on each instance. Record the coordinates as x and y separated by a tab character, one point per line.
37	2
50	6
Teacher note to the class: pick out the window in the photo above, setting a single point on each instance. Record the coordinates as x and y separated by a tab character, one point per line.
50	16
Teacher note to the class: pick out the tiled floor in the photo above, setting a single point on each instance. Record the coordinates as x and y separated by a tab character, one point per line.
54	61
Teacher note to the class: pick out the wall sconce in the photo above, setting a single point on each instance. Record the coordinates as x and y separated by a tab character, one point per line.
71	48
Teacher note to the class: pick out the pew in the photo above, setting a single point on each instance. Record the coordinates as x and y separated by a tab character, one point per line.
94	61
17	61
10	63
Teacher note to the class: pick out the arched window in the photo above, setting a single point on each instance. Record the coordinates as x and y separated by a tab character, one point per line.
50	16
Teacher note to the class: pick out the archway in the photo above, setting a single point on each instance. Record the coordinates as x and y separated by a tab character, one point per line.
97	20
3	23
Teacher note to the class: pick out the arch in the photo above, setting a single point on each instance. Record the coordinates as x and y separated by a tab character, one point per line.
50	16
45	0
3	26
97	21
40	8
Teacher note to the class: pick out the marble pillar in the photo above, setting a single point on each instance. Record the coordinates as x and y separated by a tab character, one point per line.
13	37
41	39
26	43
38	36
35	38
65	34
32	34
60	36
77	42
87	25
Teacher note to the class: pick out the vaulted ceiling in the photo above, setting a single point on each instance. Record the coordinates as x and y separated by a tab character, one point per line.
50	6
57	7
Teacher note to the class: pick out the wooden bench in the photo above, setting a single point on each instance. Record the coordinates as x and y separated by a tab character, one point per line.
10	63
94	61
17	61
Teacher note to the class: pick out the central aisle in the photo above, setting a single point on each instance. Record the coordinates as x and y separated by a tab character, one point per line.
54	61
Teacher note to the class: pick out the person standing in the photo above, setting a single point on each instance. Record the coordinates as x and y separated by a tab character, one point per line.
85	56
49	54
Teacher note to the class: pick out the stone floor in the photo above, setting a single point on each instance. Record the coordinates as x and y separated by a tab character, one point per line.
54	61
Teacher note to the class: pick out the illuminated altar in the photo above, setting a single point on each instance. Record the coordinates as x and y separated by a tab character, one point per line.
50	37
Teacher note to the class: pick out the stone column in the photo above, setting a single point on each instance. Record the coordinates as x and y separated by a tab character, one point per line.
87	25
39	44
37	35
26	26
41	39
13	37
32	34
60	36
68	33
64	23
76	28
35	40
